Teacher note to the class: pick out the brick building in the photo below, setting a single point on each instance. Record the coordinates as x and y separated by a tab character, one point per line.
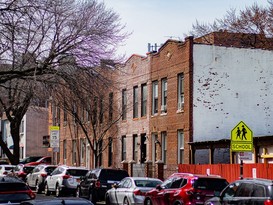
179	104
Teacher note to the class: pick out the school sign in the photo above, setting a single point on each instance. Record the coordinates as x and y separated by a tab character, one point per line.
241	138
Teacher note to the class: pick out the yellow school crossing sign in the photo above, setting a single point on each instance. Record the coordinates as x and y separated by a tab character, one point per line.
241	138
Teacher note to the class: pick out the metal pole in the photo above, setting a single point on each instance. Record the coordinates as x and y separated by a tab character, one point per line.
241	169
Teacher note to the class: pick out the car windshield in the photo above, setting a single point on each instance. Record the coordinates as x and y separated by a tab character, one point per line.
49	169
76	172
9	168
147	183
29	159
28	169
115	175
210	184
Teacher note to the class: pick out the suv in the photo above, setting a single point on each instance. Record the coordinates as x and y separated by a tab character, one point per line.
14	190
64	180
185	188
36	179
96	182
245	191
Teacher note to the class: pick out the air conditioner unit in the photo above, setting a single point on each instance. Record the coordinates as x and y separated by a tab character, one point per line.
180	105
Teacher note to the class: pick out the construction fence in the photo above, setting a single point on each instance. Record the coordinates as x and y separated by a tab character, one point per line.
230	171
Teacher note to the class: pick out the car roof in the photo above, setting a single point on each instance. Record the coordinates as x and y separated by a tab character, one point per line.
59	201
190	175
10	179
256	180
72	167
143	178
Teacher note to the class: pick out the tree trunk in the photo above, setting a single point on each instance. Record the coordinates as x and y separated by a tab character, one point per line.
15	133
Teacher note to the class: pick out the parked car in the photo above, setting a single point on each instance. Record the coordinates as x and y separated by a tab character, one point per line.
98	181
185	188
14	190
245	191
64	180
131	190
29	159
36	178
58	201
43	160
22	171
5	169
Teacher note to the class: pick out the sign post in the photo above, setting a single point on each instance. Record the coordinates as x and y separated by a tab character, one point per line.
241	141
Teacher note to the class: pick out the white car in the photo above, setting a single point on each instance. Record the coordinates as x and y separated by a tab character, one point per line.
131	190
64	180
6	169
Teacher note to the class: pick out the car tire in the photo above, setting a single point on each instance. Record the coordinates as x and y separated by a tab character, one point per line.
92	197
47	192
58	191
37	187
126	201
148	202
78	192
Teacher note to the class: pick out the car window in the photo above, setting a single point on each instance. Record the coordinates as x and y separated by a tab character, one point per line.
212	184
147	183
110	174
245	190
176	183
127	183
50	169
13	187
258	191
230	190
167	183
76	172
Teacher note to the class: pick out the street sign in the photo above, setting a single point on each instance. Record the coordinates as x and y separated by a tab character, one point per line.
54	136
241	138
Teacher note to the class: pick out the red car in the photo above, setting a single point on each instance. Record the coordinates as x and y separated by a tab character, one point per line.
43	160
186	189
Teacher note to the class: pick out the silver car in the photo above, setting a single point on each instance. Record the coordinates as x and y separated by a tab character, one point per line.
64	180
36	179
131	190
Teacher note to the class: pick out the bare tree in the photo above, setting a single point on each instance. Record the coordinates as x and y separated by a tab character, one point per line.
36	38
254	19
89	103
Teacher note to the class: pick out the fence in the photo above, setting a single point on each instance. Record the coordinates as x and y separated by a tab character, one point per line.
230	171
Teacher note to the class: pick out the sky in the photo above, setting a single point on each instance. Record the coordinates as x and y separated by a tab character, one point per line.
156	21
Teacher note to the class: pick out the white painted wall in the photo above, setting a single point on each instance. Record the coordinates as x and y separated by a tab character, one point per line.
231	85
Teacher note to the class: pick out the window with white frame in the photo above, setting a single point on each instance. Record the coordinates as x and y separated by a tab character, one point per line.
135	102
143	100
155	97
164	95
180	146
135	148
164	146
82	145
124	104
180	100
123	148
154	146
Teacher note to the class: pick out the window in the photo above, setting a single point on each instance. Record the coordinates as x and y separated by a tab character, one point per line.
74	152
65	115
64	149
111	106
124	104
154	144
75	110
155	98
22	126
123	148
100	152
110	151
101	110
95	109
82	142
135	102
180	155
143	100
180	94
164	146
135	148
164	95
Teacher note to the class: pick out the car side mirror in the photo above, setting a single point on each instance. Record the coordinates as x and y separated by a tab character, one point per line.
115	186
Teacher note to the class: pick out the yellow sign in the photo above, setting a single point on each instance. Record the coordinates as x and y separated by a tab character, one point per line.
241	138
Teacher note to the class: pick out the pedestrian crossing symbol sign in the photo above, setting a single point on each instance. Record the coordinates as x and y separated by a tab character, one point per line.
241	138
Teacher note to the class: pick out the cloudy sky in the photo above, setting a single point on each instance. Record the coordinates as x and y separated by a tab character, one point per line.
155	21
